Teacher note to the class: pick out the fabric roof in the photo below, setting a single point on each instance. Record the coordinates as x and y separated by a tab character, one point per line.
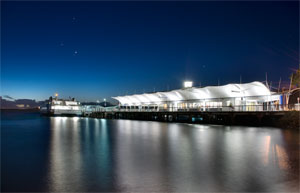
210	92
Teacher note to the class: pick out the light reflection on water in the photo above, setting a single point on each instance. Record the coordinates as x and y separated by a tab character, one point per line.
125	155
93	155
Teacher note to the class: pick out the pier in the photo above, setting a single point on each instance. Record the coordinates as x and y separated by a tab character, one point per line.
232	104
271	117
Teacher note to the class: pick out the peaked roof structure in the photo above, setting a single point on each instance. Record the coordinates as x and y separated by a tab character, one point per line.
210	92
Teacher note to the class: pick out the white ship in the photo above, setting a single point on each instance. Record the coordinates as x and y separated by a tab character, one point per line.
63	107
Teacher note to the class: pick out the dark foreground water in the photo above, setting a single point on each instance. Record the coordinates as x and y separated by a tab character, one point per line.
62	154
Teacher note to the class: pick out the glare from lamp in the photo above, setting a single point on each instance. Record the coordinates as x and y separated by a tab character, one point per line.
188	84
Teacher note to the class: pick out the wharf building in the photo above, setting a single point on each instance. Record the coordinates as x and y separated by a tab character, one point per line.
253	96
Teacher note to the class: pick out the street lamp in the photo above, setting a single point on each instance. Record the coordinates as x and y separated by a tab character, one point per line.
188	84
104	102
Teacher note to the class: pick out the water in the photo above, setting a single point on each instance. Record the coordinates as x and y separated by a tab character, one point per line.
60	154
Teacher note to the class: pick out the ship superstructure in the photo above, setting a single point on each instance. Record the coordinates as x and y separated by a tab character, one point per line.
55	106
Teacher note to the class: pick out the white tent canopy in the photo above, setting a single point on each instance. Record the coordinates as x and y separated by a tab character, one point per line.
253	89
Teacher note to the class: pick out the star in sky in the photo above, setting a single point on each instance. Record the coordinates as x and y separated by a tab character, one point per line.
189	47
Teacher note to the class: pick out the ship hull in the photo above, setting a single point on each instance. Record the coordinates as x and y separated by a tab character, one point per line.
61	113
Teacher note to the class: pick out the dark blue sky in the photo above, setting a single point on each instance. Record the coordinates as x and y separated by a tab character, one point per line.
92	50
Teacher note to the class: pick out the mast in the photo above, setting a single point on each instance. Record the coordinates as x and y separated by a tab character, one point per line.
267	80
288	94
279	85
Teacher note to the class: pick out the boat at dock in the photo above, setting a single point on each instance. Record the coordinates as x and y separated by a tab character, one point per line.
61	107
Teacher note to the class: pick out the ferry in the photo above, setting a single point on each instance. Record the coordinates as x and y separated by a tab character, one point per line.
61	107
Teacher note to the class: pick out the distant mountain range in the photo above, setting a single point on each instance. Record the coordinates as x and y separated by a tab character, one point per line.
10	103
20	103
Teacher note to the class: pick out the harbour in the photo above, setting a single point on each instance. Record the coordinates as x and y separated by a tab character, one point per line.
81	154
150	96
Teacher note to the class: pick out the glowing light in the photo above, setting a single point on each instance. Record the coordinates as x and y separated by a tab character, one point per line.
60	107
266	150
252	89
56	94
188	84
282	157
75	118
71	103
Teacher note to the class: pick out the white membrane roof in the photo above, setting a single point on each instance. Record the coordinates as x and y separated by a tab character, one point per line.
210	92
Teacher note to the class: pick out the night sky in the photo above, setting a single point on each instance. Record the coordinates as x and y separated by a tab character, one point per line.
95	50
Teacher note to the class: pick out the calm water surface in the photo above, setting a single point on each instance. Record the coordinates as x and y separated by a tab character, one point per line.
62	154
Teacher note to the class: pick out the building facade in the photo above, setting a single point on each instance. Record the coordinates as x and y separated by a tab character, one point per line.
253	96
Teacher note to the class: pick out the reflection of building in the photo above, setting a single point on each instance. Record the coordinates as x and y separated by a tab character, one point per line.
254	96
79	147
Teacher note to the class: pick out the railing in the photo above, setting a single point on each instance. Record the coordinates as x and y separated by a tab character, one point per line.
239	108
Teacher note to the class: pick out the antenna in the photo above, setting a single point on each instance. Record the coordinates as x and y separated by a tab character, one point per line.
267	80
279	84
240	79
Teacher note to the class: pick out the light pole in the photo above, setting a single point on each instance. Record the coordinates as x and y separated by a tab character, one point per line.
104	102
